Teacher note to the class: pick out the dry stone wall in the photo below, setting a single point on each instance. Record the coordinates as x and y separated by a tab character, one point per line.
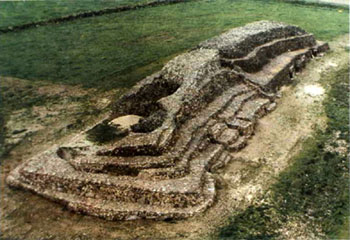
192	117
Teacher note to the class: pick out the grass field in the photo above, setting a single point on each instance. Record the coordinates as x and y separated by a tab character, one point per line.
315	186
117	50
14	13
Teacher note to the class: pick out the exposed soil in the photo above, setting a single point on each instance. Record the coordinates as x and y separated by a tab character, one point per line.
278	137
41	112
336	2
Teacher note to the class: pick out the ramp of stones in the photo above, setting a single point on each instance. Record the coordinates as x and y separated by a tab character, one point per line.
195	113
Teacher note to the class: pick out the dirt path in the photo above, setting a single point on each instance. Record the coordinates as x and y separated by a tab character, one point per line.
336	2
278	137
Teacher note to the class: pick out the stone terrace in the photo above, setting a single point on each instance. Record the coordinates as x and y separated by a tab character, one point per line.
193	116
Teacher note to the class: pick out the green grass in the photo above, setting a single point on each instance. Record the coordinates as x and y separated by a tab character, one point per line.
316	186
117	50
344	233
14	13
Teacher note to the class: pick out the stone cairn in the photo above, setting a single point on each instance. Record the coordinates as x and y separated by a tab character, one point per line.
192	116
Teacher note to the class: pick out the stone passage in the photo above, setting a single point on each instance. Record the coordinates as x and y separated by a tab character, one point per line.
154	156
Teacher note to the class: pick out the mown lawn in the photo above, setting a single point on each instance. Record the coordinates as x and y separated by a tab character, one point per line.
315	187
117	50
14	13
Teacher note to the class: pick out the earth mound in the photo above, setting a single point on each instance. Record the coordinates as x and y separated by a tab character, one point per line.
188	120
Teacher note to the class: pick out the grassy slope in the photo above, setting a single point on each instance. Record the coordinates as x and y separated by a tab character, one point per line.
117	50
316	186
15	13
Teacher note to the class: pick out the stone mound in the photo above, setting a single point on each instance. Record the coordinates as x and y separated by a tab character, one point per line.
191	118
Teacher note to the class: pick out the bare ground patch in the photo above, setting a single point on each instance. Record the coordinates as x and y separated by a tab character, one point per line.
40	112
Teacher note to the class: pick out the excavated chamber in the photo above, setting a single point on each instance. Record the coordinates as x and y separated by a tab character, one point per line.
194	114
